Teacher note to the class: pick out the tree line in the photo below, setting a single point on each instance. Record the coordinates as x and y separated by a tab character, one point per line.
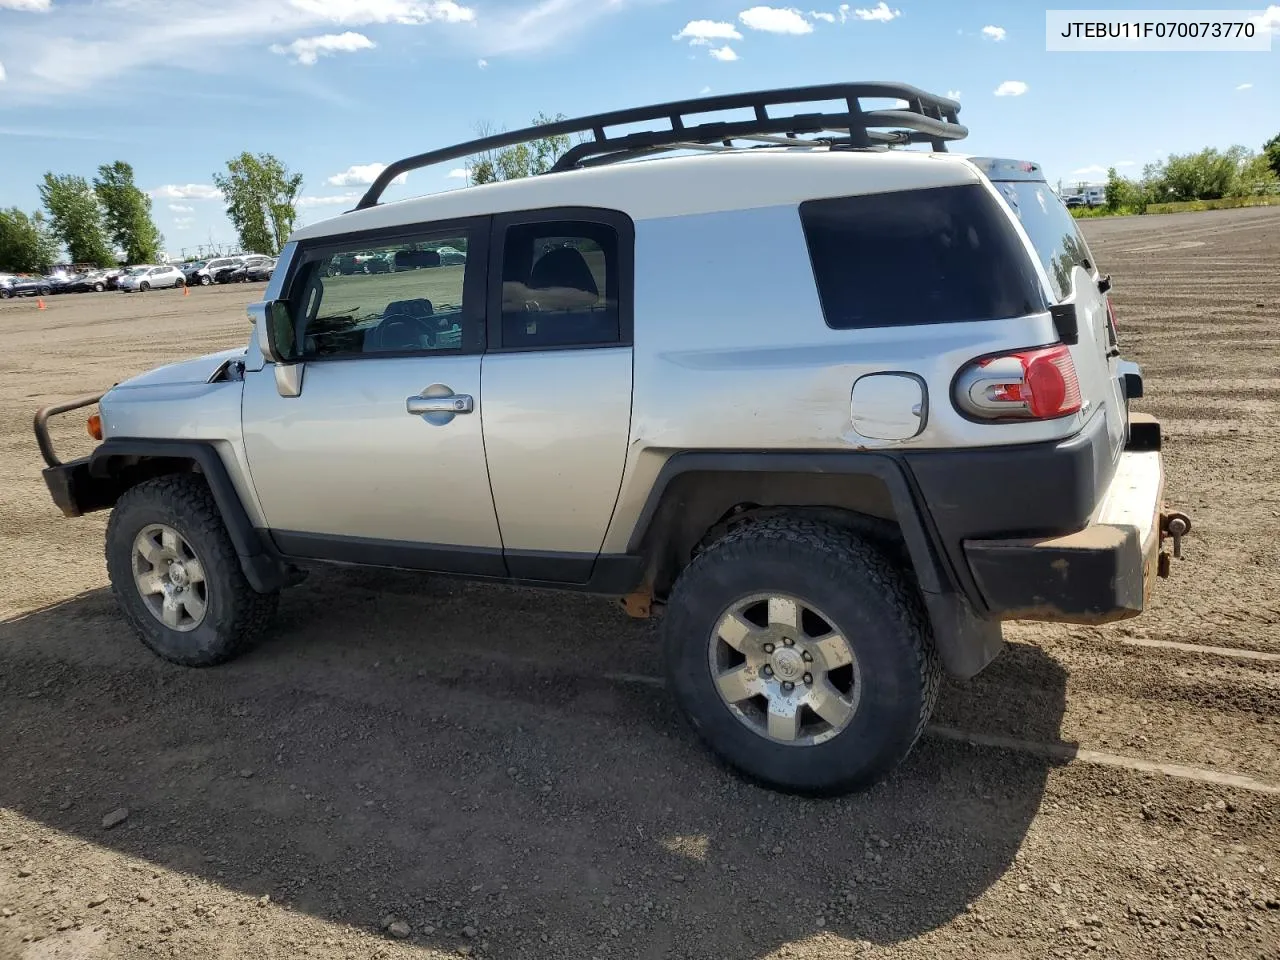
88	219
91	221
108	219
1208	174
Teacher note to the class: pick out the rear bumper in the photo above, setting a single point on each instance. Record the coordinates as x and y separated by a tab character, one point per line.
1098	574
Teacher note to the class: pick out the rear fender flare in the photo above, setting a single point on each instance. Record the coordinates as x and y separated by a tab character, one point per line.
694	491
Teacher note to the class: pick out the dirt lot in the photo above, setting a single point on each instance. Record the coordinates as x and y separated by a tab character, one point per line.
497	770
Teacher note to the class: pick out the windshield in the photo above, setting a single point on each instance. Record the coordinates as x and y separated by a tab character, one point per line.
1053	232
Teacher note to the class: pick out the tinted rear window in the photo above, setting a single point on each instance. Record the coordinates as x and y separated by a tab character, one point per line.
1052	230
942	255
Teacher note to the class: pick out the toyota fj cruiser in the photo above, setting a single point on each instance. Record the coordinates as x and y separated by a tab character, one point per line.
836	408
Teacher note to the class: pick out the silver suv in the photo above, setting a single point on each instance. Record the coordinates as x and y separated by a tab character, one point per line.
834	406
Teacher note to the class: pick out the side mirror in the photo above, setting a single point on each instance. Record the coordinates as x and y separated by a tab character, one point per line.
274	329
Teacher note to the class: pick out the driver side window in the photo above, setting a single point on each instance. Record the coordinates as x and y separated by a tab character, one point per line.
407	295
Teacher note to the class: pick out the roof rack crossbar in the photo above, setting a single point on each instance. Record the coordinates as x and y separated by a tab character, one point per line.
927	118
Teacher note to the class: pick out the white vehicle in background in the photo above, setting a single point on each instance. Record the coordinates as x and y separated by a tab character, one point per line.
143	279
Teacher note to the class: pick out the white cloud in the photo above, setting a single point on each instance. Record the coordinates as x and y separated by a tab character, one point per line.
187	191
879	12
2	73
995	33
704	31
725	53
776	20
1245	86
1011	88
818	15
458	173
181	208
953	94
482	63
1270	20
704	91
328	201
183	223
1089	171
1126	163
357	12
307	50
31	6
361	174
76	47
844	12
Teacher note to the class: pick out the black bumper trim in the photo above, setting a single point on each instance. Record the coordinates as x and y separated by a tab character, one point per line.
1095	576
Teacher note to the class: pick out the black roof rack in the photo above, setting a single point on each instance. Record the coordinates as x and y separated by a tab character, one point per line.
927	118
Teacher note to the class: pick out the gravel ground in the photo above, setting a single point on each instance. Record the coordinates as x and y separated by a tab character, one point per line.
414	767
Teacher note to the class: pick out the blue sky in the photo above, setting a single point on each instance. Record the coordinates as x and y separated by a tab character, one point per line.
333	87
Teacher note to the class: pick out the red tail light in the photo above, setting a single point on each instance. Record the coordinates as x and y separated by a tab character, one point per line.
1024	385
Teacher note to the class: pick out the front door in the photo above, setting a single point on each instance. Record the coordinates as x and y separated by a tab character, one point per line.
379	457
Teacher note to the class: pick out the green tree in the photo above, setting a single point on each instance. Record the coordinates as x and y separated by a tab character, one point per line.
128	213
1271	150
26	243
76	217
522	159
1124	195
261	196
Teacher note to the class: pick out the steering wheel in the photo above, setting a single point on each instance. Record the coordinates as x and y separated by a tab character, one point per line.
401	331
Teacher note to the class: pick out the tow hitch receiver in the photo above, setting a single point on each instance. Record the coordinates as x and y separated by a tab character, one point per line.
1175	526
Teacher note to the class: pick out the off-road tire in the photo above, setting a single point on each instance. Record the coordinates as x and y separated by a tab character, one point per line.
869	599
236	614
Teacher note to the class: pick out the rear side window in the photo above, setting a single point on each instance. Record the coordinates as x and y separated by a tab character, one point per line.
1053	231
560	285
942	255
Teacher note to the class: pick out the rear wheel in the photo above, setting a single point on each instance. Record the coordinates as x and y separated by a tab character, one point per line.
176	575
800	654
179	283
99	287
144	286
45	291
5	293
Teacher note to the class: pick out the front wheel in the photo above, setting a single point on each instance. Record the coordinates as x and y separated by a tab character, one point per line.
143	287
176	575
179	283
801	655
205	281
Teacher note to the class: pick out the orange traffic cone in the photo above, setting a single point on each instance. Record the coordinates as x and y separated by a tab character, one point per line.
40	304
186	291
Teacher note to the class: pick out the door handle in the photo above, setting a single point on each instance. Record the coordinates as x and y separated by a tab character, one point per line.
455	403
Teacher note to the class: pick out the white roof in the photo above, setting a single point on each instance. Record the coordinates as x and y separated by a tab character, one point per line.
675	186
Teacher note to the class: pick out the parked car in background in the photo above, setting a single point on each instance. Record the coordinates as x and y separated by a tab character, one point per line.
257	272
204	275
94	281
143	279
30	286
451	256
239	273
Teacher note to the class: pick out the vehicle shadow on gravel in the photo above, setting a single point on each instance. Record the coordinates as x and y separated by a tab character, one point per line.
465	756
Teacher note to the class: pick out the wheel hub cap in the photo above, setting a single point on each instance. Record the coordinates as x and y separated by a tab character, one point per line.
784	669
787	664
169	577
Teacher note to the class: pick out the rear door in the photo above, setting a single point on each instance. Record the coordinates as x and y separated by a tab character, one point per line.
1073	277
557	384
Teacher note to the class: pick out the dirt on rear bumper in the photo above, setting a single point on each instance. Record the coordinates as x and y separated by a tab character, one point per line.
1099	574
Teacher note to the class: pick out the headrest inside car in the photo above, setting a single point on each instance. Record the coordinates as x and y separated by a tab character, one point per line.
412	259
